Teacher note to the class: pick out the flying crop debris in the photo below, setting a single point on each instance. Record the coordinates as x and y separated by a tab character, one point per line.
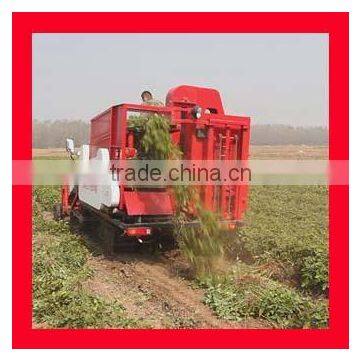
202	244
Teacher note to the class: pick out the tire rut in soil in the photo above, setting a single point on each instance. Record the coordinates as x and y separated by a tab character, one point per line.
171	302
150	290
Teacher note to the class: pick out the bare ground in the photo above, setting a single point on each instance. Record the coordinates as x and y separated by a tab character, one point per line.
151	290
289	152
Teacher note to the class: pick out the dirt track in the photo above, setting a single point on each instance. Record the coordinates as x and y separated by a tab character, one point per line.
152	291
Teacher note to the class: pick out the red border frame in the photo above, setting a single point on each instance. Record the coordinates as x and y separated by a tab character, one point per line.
335	24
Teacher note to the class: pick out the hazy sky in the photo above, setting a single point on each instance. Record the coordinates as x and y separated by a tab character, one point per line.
274	78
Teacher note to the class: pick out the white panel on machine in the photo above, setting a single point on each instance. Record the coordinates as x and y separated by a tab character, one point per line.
96	184
82	166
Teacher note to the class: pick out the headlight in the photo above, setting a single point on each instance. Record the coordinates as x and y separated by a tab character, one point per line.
196	112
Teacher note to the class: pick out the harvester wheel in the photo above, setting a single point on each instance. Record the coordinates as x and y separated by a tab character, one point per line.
58	212
73	222
108	235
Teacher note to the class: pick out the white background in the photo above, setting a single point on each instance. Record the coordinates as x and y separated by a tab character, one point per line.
8	6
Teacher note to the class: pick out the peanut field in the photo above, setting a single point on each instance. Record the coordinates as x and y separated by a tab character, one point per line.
275	272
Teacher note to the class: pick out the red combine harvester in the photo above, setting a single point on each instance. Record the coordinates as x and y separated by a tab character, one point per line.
126	215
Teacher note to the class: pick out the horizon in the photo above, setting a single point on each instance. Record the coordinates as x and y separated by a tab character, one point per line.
264	124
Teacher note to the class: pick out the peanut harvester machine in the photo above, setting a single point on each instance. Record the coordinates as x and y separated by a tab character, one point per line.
128	216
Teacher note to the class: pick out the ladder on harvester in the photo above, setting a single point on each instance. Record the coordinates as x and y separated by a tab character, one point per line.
225	194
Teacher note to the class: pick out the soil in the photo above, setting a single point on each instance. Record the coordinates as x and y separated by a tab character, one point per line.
154	290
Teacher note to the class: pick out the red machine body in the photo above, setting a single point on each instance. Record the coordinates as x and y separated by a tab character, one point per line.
224	137
144	214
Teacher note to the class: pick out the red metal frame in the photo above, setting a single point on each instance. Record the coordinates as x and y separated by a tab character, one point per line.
335	25
227	138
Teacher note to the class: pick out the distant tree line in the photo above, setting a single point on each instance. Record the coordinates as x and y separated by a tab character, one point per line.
288	135
52	134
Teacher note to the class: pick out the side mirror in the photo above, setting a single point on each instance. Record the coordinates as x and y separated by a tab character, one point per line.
70	147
